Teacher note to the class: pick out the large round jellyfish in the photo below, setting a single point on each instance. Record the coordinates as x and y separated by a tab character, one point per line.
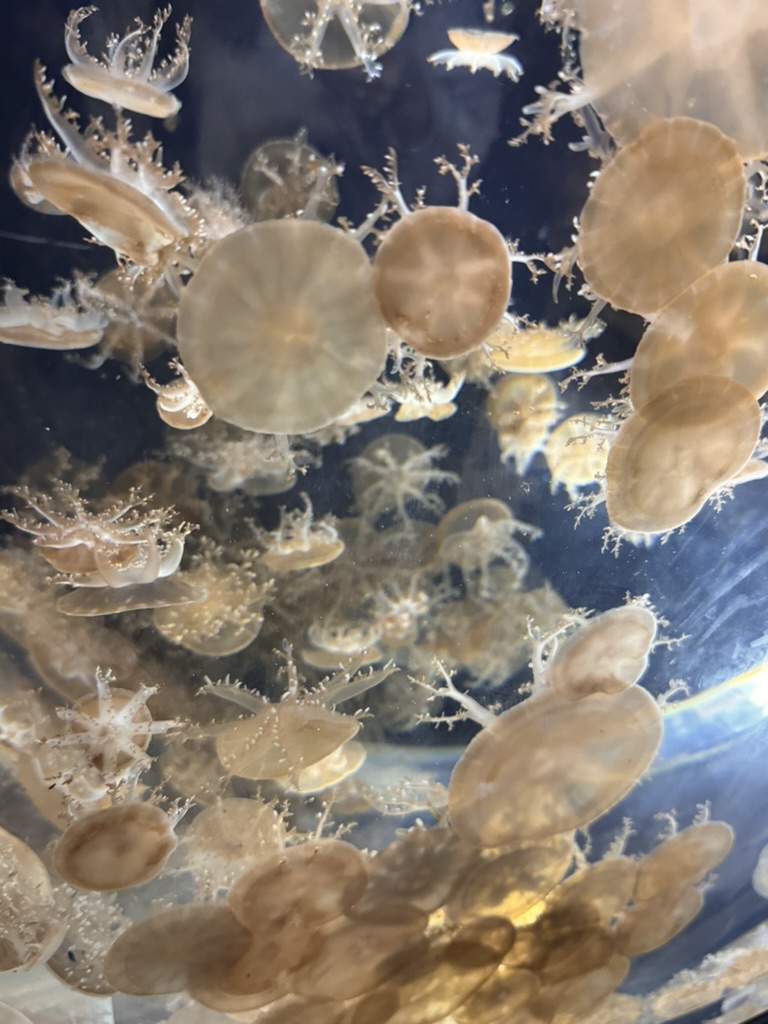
278	327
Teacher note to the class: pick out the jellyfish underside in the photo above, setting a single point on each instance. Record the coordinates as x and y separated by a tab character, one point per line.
716	326
665	58
442	278
646	231
298	338
115	848
511	784
677	451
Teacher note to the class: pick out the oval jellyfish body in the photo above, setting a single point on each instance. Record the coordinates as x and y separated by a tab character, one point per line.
646	232
278	328
668	458
716	326
548	766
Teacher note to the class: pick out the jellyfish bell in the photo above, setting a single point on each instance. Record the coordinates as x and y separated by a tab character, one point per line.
682	447
278	327
716	326
664	211
126	76
547	766
664	58
115	848
442	278
334	34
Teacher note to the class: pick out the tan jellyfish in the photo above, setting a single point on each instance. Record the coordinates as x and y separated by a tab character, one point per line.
576	453
329	770
547	766
29	923
477	48
672	455
115	848
661	59
232	835
652	923
298	338
176	948
56	323
522	408
442	278
607	654
288	178
301	541
126	76
665	210
717	326
179	403
684	858
331	34
536	348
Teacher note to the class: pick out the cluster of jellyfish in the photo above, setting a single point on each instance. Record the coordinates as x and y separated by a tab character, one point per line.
195	849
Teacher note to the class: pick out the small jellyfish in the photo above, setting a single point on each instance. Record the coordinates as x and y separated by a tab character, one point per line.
298	337
536	348
332	34
522	408
115	848
715	327
289	178
684	858
606	654
477	48
179	403
60	323
126	75
677	451
664	211
301	541
576	453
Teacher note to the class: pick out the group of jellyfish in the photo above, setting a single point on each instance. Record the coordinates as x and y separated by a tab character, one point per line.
243	798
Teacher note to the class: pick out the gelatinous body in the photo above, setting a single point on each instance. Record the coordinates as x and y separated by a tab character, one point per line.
297	336
646	231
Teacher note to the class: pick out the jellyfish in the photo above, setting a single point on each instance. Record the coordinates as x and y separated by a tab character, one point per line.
290	178
669	458
660	59
115	848
330	34
523	409
536	348
30	927
665	210
715	327
56	323
298	337
576	453
476	48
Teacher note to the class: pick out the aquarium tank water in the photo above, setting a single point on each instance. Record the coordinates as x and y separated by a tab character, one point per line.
383	489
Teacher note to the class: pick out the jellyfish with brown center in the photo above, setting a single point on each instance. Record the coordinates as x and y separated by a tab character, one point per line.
548	766
684	858
717	326
442	278
664	211
678	450
115	848
297	336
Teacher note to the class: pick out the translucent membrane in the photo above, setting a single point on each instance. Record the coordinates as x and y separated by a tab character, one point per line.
664	211
668	458
278	327
116	848
683	859
663	58
175	949
547	766
442	278
717	326
606	655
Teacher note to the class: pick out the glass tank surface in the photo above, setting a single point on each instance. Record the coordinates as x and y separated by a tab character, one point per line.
383	579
